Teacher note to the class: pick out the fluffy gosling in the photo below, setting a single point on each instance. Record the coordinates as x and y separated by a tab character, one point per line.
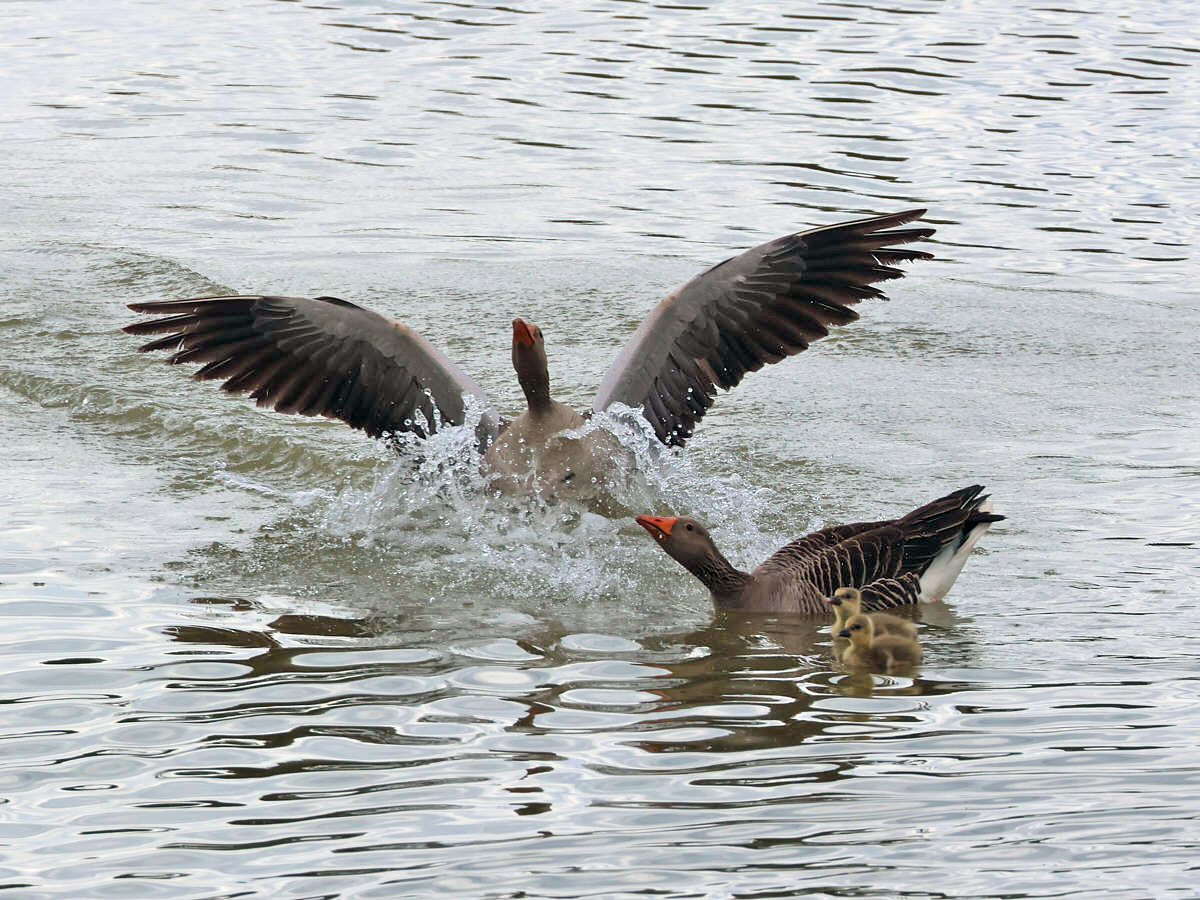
886	653
847	602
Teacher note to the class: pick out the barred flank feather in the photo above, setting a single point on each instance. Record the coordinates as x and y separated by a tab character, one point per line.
888	561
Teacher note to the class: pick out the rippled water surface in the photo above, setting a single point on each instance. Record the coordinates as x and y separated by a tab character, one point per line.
247	655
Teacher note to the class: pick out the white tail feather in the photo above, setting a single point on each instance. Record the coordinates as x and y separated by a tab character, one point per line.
944	568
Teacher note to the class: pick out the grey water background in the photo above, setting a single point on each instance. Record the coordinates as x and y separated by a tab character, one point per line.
247	655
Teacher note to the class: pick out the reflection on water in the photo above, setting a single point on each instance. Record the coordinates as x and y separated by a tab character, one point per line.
315	750
248	655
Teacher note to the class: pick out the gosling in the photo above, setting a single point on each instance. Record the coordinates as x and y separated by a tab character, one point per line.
886	653
847	602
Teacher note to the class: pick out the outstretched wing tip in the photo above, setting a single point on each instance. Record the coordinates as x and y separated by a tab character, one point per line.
903	217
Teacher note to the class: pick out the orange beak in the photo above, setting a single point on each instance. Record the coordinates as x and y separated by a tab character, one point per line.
522	332
658	526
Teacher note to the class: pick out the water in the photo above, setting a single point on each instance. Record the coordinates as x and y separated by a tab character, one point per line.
254	656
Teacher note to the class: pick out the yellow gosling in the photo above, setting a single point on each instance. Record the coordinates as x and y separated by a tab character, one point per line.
847	602
886	653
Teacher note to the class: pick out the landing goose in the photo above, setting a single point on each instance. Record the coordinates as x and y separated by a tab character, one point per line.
878	652
905	560
330	357
846	602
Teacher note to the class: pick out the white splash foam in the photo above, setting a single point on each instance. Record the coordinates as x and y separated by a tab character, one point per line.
433	513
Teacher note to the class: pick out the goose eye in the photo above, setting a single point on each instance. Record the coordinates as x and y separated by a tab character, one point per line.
690	528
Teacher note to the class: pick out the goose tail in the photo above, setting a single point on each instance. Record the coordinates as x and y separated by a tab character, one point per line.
948	562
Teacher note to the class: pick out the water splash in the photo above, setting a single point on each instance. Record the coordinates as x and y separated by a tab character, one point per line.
434	513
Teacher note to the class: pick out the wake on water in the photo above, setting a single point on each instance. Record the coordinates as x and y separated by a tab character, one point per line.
423	522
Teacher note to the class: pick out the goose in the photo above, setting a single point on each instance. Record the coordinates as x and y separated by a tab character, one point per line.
878	652
327	356
907	560
847	602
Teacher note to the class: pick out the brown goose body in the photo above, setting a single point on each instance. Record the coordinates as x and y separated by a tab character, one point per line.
846	603
329	357
866	649
893	563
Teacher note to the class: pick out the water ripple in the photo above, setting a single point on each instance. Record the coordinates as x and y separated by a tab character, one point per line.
254	656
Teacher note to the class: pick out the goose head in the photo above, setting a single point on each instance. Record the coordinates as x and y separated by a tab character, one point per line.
846	602
860	630
684	540
529	359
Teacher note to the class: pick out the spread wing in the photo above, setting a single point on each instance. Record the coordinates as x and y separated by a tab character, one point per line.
766	304
319	356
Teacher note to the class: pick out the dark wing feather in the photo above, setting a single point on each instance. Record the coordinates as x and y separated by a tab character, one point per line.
946	520
803	550
320	356
757	308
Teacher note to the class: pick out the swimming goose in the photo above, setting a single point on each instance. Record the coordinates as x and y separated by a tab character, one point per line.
847	602
896	562
878	652
326	356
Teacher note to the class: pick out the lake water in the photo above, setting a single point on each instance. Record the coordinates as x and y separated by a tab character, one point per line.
248	655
